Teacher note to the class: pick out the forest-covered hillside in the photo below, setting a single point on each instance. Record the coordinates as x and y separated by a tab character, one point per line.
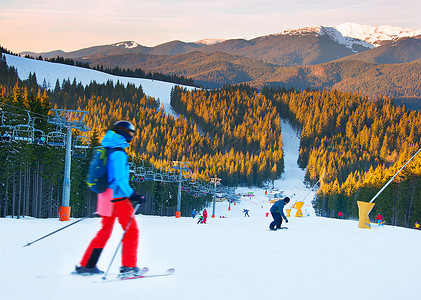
233	133
160	140
401	81
359	144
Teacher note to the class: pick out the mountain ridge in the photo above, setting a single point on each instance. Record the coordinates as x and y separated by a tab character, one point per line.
365	36
311	57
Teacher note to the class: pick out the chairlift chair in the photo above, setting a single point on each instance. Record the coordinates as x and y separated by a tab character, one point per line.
140	171
132	167
12	119
81	142
6	133
79	153
39	137
23	132
56	139
6	130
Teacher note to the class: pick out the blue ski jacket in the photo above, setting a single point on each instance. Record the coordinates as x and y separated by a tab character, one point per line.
118	167
278	207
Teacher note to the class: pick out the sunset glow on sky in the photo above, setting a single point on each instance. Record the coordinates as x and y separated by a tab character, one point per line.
34	25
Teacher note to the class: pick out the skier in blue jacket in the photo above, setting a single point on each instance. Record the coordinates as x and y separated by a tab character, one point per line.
123	196
277	211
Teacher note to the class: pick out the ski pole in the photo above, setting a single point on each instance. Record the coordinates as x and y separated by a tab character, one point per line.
121	240
91	215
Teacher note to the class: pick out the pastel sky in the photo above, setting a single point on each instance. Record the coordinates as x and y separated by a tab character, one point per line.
46	25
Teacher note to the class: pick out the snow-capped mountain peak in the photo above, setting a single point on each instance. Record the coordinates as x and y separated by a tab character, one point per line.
332	33
349	42
352	34
375	34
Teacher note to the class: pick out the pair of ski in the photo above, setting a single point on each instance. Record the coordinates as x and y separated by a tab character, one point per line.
143	273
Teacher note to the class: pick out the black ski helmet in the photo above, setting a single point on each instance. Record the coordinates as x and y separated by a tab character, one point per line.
124	128
286	199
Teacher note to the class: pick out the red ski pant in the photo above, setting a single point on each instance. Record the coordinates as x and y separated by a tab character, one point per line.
123	211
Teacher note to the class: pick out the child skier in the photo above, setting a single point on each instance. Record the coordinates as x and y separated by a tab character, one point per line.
379	219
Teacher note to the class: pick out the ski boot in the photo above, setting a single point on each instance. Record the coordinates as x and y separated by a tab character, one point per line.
79	270
128	272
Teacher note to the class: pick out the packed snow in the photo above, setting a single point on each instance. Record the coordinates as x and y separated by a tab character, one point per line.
230	257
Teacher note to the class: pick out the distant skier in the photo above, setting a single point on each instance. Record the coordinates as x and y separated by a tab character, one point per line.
277	211
379	219
417	225
340	215
193	214
246	213
205	216
200	220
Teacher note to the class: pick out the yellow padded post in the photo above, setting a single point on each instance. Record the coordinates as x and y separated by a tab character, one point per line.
298	206
364	208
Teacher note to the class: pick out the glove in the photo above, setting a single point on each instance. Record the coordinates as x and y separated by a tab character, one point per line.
137	199
286	220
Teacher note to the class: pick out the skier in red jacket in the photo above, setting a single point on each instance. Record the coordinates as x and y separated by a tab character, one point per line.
205	216
379	219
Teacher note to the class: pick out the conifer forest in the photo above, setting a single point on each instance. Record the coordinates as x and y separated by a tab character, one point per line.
233	133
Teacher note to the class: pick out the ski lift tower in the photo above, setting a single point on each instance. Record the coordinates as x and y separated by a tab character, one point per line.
182	167
215	181
69	119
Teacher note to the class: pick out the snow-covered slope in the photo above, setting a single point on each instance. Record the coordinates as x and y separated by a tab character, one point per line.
48	73
233	257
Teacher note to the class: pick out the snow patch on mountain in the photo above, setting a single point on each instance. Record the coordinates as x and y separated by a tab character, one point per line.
209	42
301	31
127	45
